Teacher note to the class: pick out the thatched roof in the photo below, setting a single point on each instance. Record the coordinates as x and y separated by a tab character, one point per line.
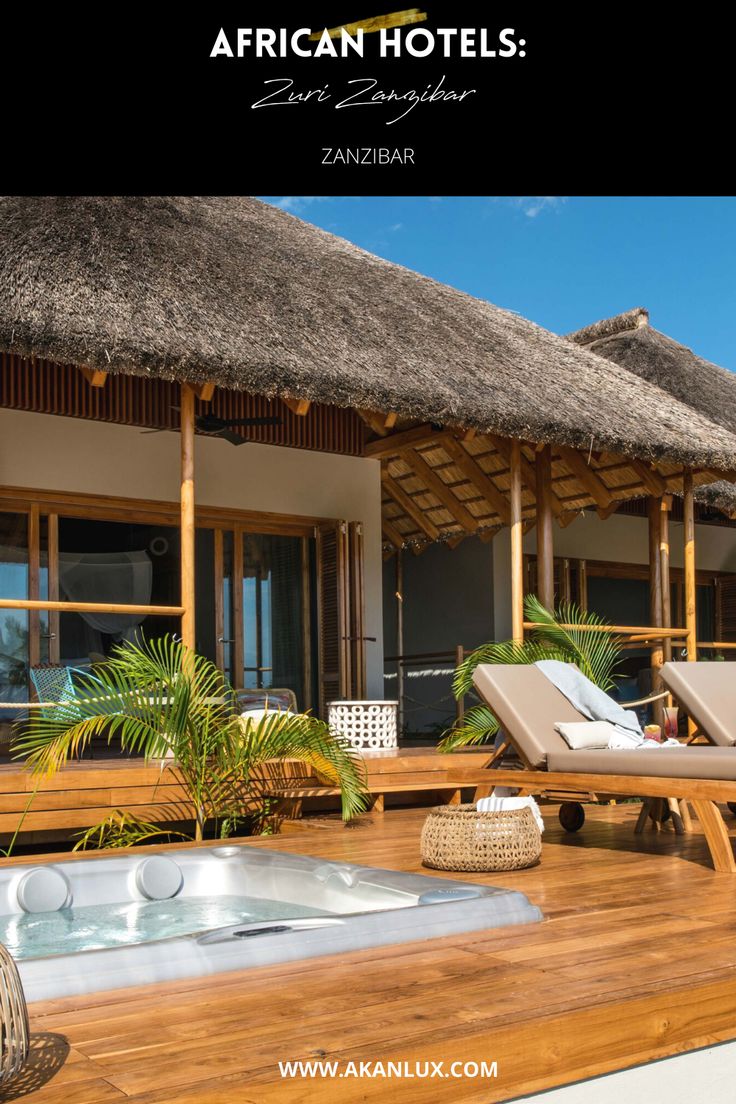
629	341
233	291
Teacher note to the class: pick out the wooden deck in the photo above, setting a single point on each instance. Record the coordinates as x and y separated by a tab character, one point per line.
85	792
636	960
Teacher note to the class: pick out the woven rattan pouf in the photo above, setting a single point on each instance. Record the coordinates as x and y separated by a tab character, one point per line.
13	1020
458	837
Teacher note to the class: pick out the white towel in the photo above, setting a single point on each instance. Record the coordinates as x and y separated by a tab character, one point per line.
498	803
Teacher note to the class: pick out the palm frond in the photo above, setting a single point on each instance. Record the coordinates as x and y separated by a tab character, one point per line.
478	726
301	737
597	654
503	651
122	829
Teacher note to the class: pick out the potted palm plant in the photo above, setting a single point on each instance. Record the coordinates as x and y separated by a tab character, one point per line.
166	703
564	635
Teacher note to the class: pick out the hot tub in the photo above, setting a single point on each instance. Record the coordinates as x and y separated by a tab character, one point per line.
113	921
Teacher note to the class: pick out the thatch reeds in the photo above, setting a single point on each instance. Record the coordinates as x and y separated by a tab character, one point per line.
629	341
233	291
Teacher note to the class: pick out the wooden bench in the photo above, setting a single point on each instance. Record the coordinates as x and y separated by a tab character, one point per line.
290	799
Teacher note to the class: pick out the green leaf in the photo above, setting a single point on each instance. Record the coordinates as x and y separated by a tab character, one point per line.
596	653
159	699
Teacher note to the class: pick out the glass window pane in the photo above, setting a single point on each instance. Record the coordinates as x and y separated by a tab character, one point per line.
119	563
13	623
273	628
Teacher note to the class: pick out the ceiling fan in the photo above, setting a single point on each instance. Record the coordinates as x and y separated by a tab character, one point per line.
212	426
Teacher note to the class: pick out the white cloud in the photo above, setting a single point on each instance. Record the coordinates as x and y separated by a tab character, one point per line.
534	205
297	203
396	226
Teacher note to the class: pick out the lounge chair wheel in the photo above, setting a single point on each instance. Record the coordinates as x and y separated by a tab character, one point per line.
572	816
732	806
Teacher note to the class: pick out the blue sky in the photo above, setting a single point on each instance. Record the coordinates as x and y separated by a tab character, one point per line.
562	261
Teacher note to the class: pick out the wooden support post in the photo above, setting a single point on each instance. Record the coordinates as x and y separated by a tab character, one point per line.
459	702
517	549
219	557
545	545
655	602
664	570
34	591
583	585
52	548
400	641
688	507
187	534
691	617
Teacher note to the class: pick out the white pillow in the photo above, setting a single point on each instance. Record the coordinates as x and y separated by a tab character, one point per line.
585	735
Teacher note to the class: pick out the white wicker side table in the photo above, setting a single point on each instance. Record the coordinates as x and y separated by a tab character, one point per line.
368	725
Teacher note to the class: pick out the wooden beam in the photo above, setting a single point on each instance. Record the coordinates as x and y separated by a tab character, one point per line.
652	481
716	476
89	607
592	483
487	534
691	623
407	504
609	511
95	377
379	423
453	542
203	391
394	444
517	549
186	524
567	518
393	534
545	539
502	445
480	479
300	407
426	474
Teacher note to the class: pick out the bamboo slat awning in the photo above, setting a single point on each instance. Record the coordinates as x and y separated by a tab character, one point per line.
444	485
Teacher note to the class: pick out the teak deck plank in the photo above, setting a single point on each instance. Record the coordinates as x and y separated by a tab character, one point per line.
635	961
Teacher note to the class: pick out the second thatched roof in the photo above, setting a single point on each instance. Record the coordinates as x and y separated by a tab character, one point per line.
632	343
236	292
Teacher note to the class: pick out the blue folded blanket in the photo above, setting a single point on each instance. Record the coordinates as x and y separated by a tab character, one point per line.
586	697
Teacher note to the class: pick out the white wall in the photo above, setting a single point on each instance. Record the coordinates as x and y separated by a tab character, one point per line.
70	454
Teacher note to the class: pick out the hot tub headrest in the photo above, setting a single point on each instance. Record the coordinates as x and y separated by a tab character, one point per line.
43	889
158	878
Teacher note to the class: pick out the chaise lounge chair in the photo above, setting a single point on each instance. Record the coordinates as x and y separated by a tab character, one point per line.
528	705
706	693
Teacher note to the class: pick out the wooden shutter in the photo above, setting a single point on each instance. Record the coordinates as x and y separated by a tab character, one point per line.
333	605
357	611
726	609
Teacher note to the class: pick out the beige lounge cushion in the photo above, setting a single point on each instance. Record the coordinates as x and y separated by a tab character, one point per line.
582	735
682	762
527	706
706	692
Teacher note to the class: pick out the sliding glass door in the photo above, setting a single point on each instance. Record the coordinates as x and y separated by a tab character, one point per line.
265	595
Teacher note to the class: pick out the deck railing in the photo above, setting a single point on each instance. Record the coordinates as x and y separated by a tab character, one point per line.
632	637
